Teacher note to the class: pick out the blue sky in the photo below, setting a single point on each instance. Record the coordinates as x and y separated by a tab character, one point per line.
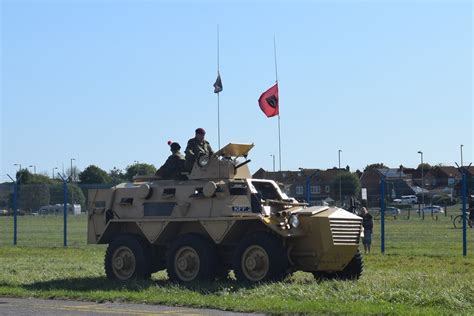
110	82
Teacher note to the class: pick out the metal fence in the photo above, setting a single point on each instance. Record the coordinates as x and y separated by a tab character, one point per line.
55	214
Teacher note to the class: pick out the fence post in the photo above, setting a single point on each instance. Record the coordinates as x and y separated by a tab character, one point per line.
382	214
65	211
15	212
464	195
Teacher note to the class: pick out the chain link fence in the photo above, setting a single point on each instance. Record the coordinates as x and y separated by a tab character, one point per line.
435	225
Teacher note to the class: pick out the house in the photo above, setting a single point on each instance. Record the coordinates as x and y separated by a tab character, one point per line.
469	182
309	185
397	183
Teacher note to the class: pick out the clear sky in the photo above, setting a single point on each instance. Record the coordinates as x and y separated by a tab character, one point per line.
110	82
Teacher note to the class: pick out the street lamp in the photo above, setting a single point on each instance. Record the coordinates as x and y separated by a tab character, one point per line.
273	156
461	155
72	179
34	168
18	164
53	171
340	178
422	180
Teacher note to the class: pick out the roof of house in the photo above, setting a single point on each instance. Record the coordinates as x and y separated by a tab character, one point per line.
297	176
448	171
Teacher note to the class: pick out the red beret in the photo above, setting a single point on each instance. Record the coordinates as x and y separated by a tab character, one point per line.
200	131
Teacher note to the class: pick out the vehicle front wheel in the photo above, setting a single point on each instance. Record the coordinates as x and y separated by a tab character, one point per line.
191	258
352	271
126	258
260	257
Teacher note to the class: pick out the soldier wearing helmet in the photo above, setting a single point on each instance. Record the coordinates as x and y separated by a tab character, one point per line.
174	165
196	147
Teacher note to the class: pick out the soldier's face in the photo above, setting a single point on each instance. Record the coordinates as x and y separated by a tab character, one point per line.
200	137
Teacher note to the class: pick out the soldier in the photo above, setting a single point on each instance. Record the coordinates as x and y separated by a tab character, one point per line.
196	147
174	165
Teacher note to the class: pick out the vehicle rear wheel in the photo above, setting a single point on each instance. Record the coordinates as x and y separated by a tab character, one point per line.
260	257
191	258
126	258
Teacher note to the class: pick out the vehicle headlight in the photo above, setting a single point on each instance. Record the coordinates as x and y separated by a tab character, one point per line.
294	221
203	161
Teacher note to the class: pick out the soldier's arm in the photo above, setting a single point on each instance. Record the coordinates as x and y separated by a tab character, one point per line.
189	148
211	152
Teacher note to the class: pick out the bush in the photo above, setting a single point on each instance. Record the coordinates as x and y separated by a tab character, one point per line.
444	200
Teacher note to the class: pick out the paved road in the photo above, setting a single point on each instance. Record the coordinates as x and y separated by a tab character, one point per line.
19	306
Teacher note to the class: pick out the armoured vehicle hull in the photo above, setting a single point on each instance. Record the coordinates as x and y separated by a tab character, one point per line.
220	219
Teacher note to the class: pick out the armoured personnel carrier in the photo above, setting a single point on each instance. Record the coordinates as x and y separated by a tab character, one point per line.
217	220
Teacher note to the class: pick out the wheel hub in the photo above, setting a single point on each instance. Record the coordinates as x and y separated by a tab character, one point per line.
255	263
123	263
187	264
119	263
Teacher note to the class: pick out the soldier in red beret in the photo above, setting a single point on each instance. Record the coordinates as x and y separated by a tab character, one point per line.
197	146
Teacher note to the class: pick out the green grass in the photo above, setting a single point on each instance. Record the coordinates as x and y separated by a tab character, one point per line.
422	272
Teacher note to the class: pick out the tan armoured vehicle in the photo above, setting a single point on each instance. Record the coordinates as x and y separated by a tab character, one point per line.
218	220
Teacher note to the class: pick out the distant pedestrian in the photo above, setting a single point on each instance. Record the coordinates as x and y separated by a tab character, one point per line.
368	225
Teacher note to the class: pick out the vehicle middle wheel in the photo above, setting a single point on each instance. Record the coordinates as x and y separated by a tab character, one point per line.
191	258
260	257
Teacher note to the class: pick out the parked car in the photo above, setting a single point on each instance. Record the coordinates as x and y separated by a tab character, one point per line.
392	211
432	209
409	199
406	200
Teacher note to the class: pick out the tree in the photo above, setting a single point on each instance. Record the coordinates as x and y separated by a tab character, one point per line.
139	169
350	184
375	166
33	196
23	176
94	175
425	166
117	176
40	179
74	194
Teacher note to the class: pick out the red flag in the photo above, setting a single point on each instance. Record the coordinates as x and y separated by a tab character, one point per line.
268	101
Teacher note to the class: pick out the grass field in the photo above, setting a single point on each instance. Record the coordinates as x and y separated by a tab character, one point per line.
422	272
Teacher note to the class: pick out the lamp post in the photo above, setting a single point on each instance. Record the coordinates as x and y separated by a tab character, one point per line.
340	184
34	168
72	179
461	154
422	180
273	156
18	164
52	172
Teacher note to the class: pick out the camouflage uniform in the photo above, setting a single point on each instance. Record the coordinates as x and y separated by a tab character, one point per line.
173	167
194	149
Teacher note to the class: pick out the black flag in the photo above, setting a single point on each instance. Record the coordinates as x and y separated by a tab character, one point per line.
218	84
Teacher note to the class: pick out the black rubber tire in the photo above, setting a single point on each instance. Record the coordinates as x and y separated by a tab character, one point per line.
352	271
206	251
140	253
276	252
457	221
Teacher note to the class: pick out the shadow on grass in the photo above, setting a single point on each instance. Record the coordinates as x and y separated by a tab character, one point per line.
104	284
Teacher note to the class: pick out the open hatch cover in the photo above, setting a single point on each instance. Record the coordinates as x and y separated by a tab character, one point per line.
235	150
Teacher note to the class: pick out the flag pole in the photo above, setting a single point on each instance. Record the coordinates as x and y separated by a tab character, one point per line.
218	100
276	81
